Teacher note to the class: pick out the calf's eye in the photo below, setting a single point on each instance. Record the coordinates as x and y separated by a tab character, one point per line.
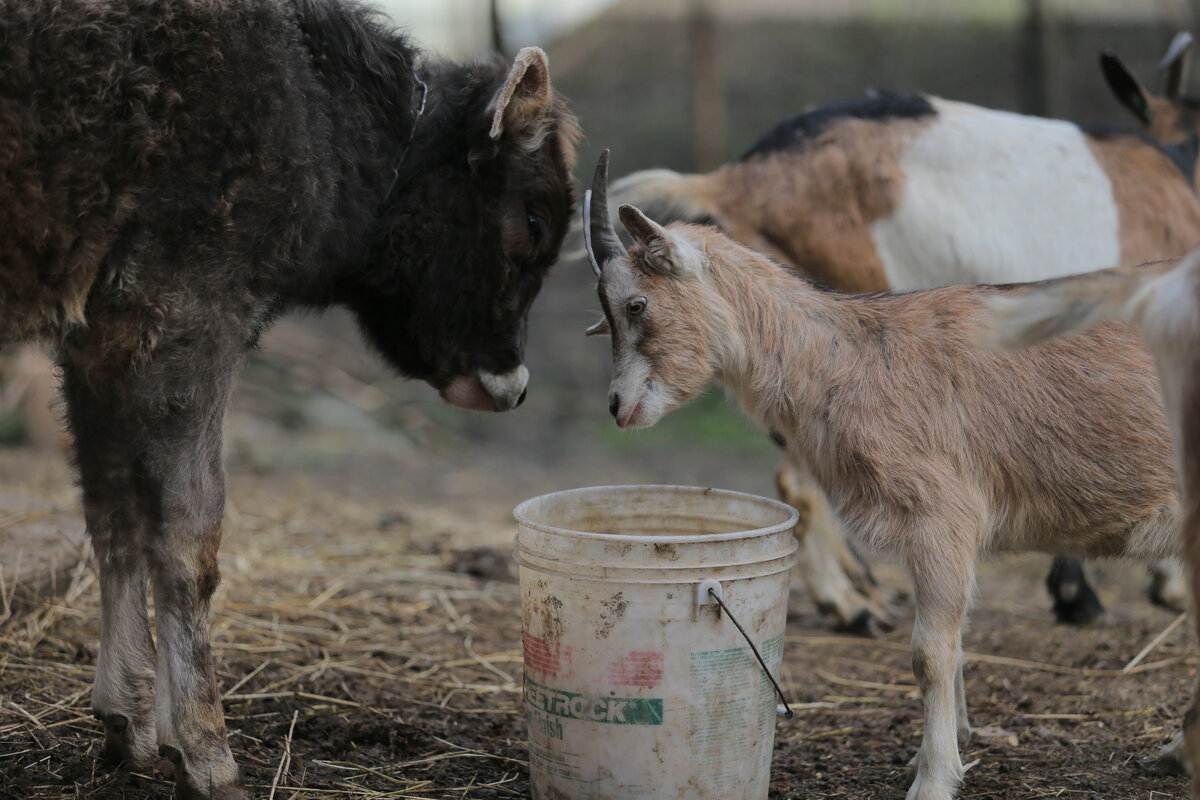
537	229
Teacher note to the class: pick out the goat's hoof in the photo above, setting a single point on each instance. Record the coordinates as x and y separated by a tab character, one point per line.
866	625
911	768
1081	609
1167	593
1166	764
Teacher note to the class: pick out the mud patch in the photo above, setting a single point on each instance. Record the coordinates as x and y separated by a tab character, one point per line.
614	608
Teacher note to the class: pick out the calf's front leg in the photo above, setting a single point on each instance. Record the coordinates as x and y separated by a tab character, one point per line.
190	720
186	489
123	692
150	458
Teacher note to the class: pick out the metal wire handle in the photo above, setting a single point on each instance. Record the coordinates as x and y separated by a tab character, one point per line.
787	710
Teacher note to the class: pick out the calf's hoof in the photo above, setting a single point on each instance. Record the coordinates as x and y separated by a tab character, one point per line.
1165	764
126	742
218	780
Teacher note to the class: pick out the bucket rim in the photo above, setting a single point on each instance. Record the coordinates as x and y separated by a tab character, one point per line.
664	576
793	516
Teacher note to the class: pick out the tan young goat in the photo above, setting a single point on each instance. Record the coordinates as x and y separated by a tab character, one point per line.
900	192
1164	299
929	447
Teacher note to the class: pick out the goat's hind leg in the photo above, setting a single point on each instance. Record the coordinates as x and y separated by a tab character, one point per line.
1075	601
1168	586
840	584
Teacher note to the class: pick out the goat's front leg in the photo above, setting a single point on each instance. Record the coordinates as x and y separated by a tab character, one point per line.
123	692
943	577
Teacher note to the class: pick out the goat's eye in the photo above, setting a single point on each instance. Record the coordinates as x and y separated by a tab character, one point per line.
635	306
537	229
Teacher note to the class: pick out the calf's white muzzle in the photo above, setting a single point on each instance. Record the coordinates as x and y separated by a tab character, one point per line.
488	391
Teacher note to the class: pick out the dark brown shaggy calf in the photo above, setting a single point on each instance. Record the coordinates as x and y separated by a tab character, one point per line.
173	176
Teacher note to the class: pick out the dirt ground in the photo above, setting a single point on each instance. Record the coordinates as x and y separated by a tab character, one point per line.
367	629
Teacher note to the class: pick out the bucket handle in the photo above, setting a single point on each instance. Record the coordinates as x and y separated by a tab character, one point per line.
713	589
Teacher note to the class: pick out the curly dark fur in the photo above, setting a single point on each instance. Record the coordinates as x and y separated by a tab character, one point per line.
244	151
176	173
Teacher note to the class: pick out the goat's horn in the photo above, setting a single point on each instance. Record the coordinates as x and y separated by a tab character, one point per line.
599	236
1173	62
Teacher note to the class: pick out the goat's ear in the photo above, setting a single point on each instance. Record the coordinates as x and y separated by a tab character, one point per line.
666	254
599	329
519	108
1126	87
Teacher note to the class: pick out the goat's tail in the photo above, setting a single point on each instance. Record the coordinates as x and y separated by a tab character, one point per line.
1070	305
666	196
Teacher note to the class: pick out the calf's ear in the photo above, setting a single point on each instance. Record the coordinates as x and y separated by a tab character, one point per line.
519	108
665	253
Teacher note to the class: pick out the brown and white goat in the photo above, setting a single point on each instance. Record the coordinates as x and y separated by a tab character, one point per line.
908	192
1164	299
1170	118
929	447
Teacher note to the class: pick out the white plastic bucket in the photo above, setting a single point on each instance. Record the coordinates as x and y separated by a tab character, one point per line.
637	686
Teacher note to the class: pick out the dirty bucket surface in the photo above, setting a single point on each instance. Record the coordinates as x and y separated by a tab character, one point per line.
636	684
